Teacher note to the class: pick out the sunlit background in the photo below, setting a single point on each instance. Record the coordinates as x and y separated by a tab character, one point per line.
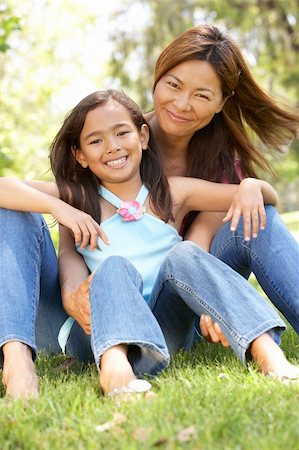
54	52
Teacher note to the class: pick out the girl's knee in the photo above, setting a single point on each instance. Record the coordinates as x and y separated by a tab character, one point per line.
185	251
20	219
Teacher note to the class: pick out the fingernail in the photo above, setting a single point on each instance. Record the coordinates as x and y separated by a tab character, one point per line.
232	229
254	235
247	239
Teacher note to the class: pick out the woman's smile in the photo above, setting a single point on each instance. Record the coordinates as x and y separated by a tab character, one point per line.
177	118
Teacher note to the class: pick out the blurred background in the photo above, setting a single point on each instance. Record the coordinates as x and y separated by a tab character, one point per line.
54	52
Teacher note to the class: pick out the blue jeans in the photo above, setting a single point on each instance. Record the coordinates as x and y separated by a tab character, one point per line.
120	315
31	309
192	282
30	304
273	257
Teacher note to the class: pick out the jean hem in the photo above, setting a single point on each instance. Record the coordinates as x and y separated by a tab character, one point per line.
18	338
163	356
273	327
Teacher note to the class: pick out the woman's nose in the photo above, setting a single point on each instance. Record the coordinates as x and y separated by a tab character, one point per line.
182	102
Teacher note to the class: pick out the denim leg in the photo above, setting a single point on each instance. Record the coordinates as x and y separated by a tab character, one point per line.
120	315
273	257
28	282
193	281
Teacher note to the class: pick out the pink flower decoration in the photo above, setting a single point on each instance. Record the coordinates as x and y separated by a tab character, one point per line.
130	211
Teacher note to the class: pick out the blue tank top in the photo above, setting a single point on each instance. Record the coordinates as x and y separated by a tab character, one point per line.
144	242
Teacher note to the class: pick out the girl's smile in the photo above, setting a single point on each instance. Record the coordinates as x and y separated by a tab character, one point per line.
117	163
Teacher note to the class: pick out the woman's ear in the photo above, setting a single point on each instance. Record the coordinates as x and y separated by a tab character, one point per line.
144	136
220	107
79	157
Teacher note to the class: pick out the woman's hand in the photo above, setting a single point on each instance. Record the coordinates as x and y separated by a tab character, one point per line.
77	304
83	227
211	331
249	203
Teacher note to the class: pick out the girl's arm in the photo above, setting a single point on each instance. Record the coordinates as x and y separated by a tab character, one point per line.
74	280
19	196
48	187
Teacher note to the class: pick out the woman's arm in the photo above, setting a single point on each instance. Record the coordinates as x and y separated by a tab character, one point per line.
17	195
74	280
246	199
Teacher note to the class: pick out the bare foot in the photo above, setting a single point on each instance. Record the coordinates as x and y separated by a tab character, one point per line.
115	370
19	375
271	359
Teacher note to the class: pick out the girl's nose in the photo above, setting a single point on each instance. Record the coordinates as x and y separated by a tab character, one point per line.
113	146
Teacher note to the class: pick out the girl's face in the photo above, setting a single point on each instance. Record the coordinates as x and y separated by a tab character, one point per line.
187	97
111	145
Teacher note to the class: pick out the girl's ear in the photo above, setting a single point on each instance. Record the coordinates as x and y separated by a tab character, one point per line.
79	157
144	136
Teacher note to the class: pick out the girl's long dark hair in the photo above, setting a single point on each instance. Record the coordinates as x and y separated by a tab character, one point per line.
79	186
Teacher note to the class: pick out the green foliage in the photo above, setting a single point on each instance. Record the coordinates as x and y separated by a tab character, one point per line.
9	23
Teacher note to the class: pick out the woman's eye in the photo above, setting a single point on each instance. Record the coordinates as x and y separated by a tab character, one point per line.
172	84
204	97
122	133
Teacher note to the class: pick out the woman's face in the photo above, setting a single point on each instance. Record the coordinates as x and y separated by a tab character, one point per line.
187	97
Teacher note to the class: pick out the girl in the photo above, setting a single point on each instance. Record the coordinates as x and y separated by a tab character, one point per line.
102	165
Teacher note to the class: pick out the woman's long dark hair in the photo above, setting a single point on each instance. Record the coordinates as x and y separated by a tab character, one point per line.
247	109
79	186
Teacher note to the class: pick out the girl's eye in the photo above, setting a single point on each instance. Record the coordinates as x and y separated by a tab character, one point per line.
122	133
95	141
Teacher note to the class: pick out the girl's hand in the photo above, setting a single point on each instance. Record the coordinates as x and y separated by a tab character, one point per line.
248	202
77	304
211	331
84	228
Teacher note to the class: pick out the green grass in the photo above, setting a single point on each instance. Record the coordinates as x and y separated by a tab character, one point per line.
205	392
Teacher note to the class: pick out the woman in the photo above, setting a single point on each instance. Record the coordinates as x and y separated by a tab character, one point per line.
206	104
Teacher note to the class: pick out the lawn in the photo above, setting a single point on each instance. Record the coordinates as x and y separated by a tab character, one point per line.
205	400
